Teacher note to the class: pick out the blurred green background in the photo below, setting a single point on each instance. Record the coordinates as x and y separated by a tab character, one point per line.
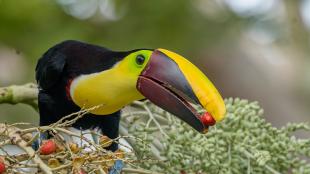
253	49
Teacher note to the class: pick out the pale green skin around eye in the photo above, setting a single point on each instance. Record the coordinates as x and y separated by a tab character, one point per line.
132	66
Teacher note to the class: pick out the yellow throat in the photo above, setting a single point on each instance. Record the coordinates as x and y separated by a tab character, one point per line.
118	90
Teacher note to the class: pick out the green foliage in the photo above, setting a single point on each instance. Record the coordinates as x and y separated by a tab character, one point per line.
45	23
243	142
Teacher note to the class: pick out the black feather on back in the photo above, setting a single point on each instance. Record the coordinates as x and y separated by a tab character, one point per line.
79	58
49	69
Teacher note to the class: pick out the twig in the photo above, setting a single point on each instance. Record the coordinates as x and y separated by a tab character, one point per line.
249	155
155	121
16	139
69	164
130	170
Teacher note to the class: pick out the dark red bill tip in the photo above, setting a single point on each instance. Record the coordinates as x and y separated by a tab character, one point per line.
207	119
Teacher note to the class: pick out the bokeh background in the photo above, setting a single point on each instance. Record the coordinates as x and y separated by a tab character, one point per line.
252	49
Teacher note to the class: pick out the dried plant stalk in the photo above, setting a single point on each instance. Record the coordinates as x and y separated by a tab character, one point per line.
243	143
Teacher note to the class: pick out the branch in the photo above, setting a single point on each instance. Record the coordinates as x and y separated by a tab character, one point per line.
66	157
16	139
14	94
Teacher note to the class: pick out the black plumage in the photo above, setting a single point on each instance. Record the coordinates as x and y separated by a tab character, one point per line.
54	72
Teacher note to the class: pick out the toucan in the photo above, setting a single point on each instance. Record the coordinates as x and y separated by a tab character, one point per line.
73	75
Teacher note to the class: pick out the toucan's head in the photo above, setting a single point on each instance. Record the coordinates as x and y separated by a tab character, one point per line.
164	77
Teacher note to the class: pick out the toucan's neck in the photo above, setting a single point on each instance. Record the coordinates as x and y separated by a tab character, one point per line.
111	90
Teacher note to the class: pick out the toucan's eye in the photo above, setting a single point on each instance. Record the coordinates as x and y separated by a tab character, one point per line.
140	59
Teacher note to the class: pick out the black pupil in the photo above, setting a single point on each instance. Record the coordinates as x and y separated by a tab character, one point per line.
140	59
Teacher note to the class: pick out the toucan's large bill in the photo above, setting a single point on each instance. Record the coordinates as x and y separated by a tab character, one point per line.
172	82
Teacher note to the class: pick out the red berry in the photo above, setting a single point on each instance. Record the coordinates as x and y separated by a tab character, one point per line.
2	166
48	147
79	171
207	119
82	171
